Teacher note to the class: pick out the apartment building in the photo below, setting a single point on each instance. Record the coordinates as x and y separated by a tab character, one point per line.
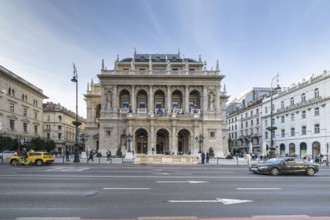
21	110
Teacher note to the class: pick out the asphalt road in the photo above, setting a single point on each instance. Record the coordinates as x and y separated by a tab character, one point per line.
128	191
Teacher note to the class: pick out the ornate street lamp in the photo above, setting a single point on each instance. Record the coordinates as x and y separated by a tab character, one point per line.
76	122
272	128
199	139
84	137
129	139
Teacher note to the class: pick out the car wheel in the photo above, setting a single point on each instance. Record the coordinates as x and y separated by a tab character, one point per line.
39	162
274	171
14	162
310	172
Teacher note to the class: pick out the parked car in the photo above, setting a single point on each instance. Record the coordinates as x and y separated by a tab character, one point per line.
285	165
37	158
7	153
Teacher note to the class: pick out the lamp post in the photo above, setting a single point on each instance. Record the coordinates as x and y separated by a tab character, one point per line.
84	137
129	139
76	122
272	128
199	139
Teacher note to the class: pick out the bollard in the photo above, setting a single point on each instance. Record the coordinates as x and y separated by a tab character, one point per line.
237	160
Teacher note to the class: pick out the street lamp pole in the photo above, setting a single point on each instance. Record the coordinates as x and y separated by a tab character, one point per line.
84	137
199	139
129	139
76	122
272	128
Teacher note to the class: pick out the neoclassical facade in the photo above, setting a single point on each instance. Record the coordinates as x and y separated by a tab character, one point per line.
157	104
301	116
20	107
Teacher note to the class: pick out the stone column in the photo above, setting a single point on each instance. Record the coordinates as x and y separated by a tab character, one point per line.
152	137
115	99
217	99
174	146
133	99
168	97
151	99
130	131
205	99
186	98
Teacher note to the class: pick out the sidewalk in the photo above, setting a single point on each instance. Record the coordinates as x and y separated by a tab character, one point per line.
115	160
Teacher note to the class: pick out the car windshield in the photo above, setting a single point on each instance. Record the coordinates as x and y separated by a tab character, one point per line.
274	160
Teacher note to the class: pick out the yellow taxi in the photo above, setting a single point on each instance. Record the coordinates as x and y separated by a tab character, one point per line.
38	158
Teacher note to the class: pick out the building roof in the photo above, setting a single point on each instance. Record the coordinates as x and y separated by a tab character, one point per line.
158	58
13	76
52	107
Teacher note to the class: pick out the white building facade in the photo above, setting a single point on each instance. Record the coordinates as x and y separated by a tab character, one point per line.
245	128
301	116
157	104
58	126
20	107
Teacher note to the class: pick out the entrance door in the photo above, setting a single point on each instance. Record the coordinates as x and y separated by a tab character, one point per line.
139	148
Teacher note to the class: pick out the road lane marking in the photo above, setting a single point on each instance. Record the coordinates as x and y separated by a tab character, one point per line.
259	188
67	169
126	188
217	200
188	181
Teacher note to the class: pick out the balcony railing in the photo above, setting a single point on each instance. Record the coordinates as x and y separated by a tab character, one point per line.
162	72
309	101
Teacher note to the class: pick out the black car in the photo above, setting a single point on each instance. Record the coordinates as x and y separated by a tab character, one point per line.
285	165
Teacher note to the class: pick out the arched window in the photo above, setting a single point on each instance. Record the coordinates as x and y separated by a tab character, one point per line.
316	93
303	97
292	101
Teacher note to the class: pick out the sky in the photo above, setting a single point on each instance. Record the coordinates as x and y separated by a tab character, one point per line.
253	39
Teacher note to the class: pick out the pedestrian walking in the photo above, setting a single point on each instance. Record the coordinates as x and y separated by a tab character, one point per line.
67	156
91	155
203	157
108	155
207	157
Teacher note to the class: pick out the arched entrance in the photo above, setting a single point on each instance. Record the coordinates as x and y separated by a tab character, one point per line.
316	148
124	99
194	101
184	142
141	141
177	100
292	149
282	150
162	142
142	101
159	102
303	149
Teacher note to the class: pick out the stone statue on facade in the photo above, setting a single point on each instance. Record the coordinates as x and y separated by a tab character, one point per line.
108	100
211	101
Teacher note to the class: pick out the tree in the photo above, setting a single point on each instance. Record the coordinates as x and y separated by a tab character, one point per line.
119	153
50	145
38	144
8	143
211	152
